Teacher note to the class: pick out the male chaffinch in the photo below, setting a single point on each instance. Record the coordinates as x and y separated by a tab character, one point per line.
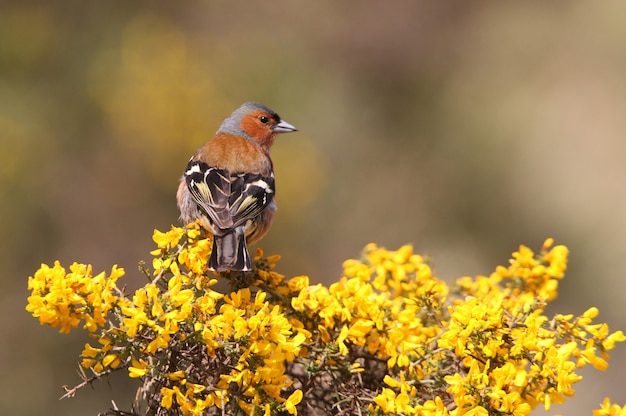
229	184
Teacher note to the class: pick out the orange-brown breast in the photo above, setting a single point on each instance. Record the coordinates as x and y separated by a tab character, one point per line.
235	154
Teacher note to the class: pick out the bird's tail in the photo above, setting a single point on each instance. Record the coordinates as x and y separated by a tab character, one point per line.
230	252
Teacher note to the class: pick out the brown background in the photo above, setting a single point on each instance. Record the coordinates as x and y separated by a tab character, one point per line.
464	129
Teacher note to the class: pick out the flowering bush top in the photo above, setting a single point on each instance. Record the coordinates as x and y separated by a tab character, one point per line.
387	338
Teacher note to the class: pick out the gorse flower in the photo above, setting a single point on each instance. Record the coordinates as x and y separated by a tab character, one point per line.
63	300
387	338
609	409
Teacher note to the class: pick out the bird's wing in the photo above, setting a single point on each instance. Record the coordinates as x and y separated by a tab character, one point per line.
229	200
250	195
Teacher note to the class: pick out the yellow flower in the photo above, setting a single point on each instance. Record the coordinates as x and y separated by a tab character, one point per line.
609	409
167	240
292	401
138	368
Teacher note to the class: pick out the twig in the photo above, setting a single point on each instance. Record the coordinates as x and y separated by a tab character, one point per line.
69	393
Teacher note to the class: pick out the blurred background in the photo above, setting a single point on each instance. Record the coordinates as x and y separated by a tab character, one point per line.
464	129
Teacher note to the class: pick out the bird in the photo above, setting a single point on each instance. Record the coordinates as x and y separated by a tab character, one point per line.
228	185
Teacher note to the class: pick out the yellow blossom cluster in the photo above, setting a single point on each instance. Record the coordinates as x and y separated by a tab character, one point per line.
63	300
387	338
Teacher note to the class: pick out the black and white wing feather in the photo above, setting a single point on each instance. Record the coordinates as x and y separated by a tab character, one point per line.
228	199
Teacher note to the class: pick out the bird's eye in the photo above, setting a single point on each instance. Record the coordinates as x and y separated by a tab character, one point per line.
264	119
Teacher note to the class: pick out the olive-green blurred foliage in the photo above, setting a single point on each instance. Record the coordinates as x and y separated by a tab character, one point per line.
465	129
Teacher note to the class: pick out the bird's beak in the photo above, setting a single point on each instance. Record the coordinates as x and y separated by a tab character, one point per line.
284	127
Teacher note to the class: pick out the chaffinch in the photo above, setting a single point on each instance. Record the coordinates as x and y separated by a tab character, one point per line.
229	184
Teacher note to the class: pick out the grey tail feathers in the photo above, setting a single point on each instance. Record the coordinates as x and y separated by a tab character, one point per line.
230	252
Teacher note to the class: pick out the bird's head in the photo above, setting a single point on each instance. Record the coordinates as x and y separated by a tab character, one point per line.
255	122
